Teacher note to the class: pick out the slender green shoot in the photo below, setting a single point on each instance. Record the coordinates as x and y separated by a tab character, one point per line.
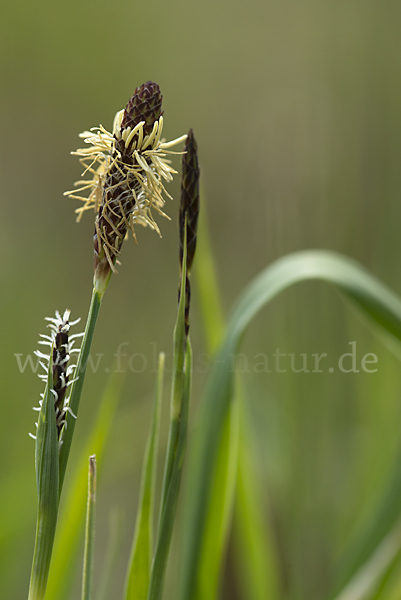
89	548
138	574
170	505
177	385
77	386
47	474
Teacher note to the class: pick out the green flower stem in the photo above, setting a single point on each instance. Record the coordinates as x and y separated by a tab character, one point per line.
175	416
170	504
87	579
180	394
77	386
177	386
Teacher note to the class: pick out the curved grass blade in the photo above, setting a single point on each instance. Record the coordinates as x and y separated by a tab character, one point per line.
89	546
257	574
389	585
47	480
368	578
367	293
72	515
138	575
378	523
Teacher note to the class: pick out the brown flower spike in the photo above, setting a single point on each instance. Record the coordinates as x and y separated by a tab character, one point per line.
189	212
128	168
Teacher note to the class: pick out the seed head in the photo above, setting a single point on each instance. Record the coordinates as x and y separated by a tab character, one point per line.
61	347
128	168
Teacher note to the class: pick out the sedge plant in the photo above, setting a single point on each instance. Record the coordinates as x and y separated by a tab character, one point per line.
126	169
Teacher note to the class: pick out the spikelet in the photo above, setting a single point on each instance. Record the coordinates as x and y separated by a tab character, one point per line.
60	343
189	212
128	169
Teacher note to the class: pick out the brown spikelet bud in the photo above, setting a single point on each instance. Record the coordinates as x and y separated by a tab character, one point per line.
122	185
128	168
189	206
145	105
61	347
189	212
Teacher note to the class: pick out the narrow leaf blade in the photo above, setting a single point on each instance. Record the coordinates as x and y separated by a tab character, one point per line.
257	574
72	515
366	292
138	575
47	478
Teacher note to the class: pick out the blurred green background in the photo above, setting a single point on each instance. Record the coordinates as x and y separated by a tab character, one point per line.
296	109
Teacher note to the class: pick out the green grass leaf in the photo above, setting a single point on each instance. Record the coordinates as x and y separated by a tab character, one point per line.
205	271
255	557
217	527
378	524
138	575
47	480
371	297
257	574
218	522
371	576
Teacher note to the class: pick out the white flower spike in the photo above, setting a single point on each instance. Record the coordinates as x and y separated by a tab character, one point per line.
60	343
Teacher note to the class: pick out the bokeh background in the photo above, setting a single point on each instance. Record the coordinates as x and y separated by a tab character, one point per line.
296	109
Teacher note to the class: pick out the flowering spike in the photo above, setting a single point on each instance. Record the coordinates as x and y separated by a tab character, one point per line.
127	168
62	372
145	105
189	212
189	198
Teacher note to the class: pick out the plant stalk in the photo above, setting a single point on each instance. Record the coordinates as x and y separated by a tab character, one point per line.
177	389
76	391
